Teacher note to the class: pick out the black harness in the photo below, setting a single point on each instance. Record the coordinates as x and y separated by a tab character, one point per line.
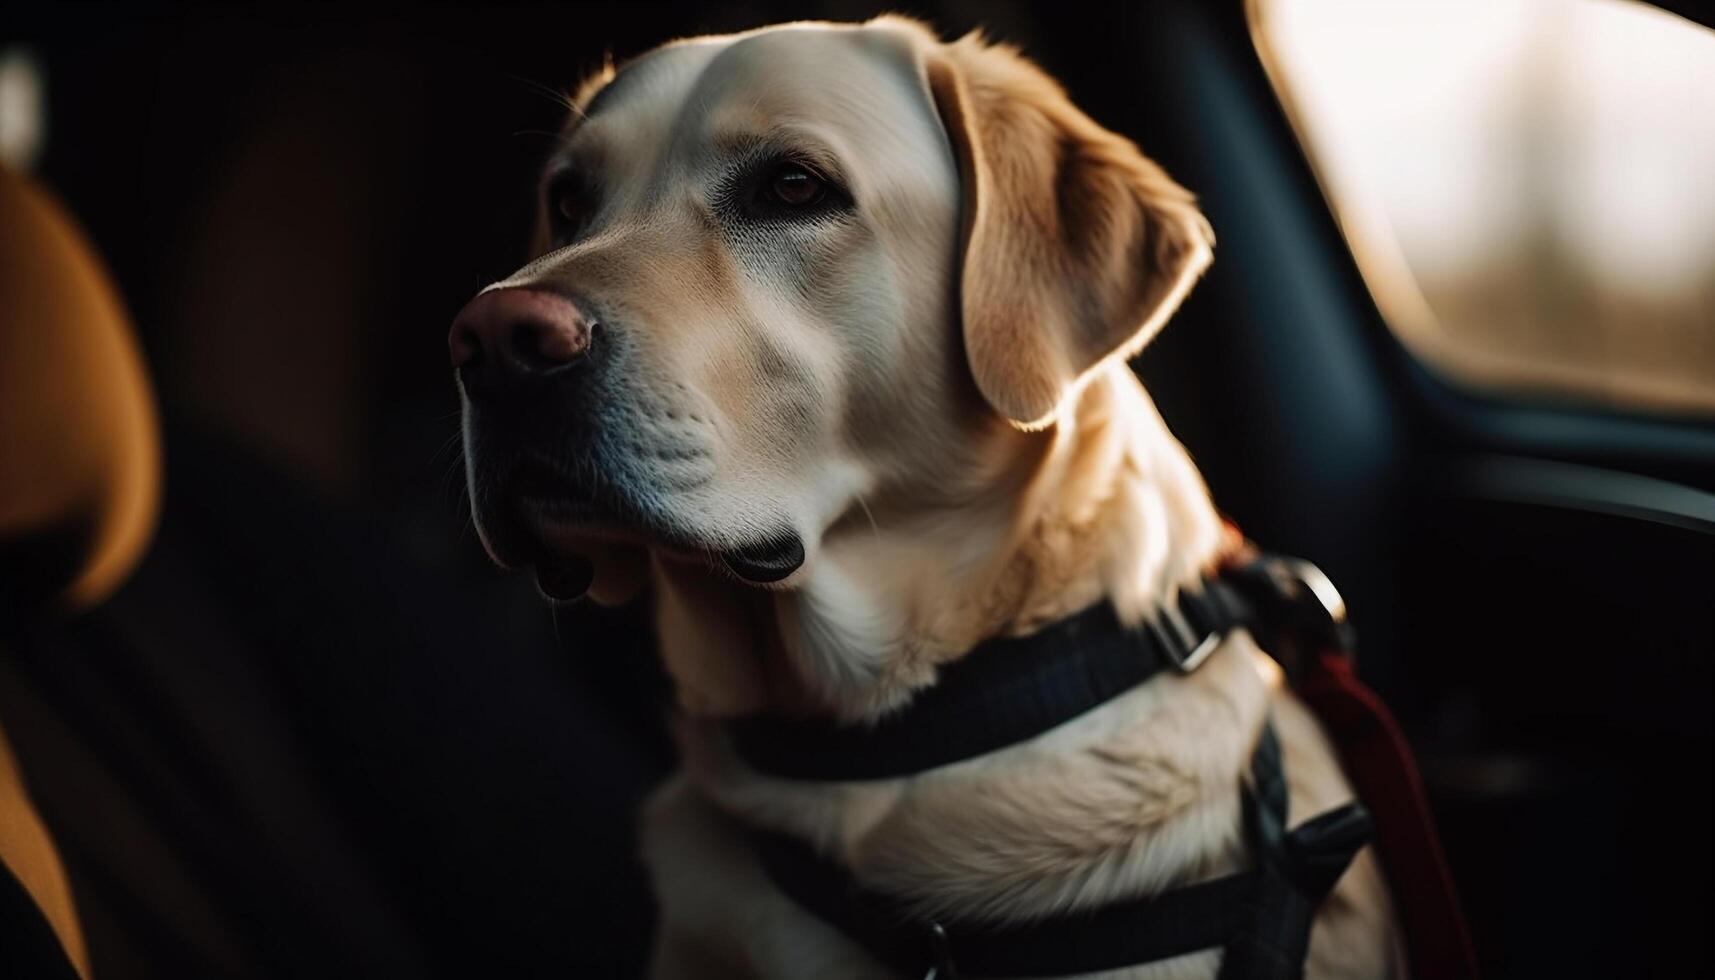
1010	690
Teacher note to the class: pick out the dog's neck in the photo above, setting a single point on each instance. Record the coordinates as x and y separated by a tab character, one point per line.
1106	504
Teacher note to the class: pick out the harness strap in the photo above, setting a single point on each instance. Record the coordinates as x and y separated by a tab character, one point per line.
1261	918
1006	691
1295	871
1199	916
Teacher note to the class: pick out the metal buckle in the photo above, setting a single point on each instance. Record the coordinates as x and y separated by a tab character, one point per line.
1319	585
1313	606
1179	641
943	969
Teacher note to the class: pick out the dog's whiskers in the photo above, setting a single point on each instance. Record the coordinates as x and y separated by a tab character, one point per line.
873	526
446	444
548	92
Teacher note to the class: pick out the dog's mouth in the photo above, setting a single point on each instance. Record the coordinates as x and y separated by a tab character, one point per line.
578	535
577	532
768	561
565	578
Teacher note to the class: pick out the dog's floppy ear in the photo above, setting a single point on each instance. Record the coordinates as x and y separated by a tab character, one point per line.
1077	247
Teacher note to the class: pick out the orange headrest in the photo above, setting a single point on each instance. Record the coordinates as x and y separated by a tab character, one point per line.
80	454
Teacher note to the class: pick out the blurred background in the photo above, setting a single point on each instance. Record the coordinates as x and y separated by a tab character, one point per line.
1458	347
1524	184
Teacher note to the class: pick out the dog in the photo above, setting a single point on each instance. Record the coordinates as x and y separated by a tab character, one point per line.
825	343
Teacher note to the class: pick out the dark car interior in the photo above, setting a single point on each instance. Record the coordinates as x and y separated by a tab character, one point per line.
315	733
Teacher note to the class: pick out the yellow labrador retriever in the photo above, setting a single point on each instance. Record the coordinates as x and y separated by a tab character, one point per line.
826	342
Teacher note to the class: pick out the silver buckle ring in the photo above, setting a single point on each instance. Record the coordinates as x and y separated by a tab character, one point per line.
1314	581
1182	637
1301	601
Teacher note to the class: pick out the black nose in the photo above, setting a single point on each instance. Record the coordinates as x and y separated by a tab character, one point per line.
508	337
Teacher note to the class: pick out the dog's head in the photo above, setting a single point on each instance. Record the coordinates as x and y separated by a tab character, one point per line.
785	272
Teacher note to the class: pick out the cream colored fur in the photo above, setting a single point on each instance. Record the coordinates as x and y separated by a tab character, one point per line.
941	410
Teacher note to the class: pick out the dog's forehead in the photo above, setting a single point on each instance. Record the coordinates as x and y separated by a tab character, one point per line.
864	82
793	74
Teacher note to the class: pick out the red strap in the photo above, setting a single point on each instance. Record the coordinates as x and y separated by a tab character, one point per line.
1380	764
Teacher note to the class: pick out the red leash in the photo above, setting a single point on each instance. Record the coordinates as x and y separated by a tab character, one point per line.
1379	762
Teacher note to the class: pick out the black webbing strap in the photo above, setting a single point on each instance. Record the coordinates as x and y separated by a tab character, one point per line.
1199	916
1295	870
1005	691
1261	918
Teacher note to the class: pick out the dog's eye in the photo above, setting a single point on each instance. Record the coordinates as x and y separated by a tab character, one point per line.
783	191
796	187
567	200
566	207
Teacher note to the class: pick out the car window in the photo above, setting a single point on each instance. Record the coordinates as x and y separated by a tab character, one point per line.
1528	185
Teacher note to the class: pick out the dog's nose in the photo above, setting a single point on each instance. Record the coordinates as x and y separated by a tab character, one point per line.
512	335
